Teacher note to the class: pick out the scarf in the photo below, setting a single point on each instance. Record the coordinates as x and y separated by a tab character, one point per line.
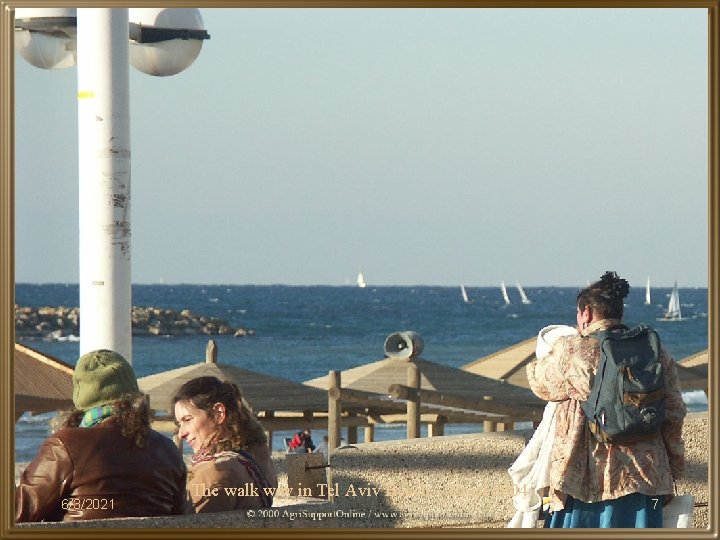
95	415
207	452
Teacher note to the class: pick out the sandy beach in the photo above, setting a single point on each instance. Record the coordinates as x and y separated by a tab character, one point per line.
454	481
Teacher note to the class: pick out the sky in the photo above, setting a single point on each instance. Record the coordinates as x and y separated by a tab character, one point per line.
419	146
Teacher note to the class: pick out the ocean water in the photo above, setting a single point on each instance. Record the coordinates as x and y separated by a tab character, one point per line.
304	332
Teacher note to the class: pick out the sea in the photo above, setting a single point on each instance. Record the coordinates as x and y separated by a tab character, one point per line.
303	332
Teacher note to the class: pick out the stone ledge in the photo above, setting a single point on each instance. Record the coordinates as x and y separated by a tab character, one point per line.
458	481
287	512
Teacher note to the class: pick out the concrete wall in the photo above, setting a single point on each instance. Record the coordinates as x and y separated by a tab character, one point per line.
443	481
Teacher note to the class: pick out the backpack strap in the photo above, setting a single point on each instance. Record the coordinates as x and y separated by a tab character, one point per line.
600	334
255	472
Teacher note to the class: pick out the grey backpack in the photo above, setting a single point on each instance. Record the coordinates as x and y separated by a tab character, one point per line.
627	399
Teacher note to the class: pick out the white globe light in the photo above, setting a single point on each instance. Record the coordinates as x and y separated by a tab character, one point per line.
165	56
45	37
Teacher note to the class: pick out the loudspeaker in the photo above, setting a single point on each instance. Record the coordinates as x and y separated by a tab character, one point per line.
404	345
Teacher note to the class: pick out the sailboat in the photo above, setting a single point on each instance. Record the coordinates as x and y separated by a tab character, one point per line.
361	281
464	294
673	311
523	296
647	292
504	292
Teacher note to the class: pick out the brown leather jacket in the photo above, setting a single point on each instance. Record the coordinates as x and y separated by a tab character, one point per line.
95	472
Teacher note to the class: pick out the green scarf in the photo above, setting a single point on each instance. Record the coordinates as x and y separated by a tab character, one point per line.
95	415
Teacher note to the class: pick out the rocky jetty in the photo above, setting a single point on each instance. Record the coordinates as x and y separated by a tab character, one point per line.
63	323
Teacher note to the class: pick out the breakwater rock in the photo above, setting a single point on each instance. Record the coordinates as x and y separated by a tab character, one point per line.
63	323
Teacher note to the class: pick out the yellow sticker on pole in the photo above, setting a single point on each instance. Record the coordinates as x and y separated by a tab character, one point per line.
85	94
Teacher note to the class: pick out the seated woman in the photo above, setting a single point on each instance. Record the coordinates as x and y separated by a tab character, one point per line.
104	461
232	467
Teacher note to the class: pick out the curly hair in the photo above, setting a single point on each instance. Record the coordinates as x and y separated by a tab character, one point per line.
605	296
240	430
132	411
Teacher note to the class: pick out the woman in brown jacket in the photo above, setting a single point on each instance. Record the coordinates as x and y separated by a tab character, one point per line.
232	467
105	461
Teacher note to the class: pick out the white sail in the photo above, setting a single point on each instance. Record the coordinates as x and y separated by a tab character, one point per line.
361	281
504	292
673	310
464	294
647	292
523	296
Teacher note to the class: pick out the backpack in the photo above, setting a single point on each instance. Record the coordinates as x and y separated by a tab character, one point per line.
627	399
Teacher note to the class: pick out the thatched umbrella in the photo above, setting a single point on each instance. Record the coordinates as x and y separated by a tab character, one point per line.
261	392
509	364
506	364
377	377
693	371
42	382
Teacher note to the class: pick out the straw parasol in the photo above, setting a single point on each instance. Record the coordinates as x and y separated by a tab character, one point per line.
506	364
693	371
261	392
42	382
509	364
377	377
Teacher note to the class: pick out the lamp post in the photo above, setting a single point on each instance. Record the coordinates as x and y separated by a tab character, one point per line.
98	39
104	176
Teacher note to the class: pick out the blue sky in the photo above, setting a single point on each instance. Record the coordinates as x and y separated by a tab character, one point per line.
420	146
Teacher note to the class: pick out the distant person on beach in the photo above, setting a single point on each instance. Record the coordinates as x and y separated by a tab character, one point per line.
104	461
596	484
323	448
232	468
302	442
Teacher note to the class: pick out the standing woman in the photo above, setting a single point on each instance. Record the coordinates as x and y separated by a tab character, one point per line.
230	448
596	484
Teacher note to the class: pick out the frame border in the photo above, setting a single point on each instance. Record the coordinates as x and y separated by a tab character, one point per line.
7	274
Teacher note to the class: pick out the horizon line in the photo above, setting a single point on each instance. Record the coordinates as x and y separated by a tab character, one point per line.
348	285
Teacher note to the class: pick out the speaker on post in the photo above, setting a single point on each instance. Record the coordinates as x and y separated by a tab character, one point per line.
403	345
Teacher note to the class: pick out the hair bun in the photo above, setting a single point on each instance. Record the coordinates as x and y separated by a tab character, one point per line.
615	287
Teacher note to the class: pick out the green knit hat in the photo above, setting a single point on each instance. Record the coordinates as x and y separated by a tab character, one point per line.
101	377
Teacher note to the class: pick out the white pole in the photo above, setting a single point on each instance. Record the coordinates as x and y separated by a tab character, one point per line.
104	166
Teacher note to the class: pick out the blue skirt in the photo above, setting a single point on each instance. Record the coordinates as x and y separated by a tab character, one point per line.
634	511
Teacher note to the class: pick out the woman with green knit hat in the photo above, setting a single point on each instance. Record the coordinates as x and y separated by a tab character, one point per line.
104	461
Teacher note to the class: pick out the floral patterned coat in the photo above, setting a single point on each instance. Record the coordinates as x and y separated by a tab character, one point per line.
584	467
